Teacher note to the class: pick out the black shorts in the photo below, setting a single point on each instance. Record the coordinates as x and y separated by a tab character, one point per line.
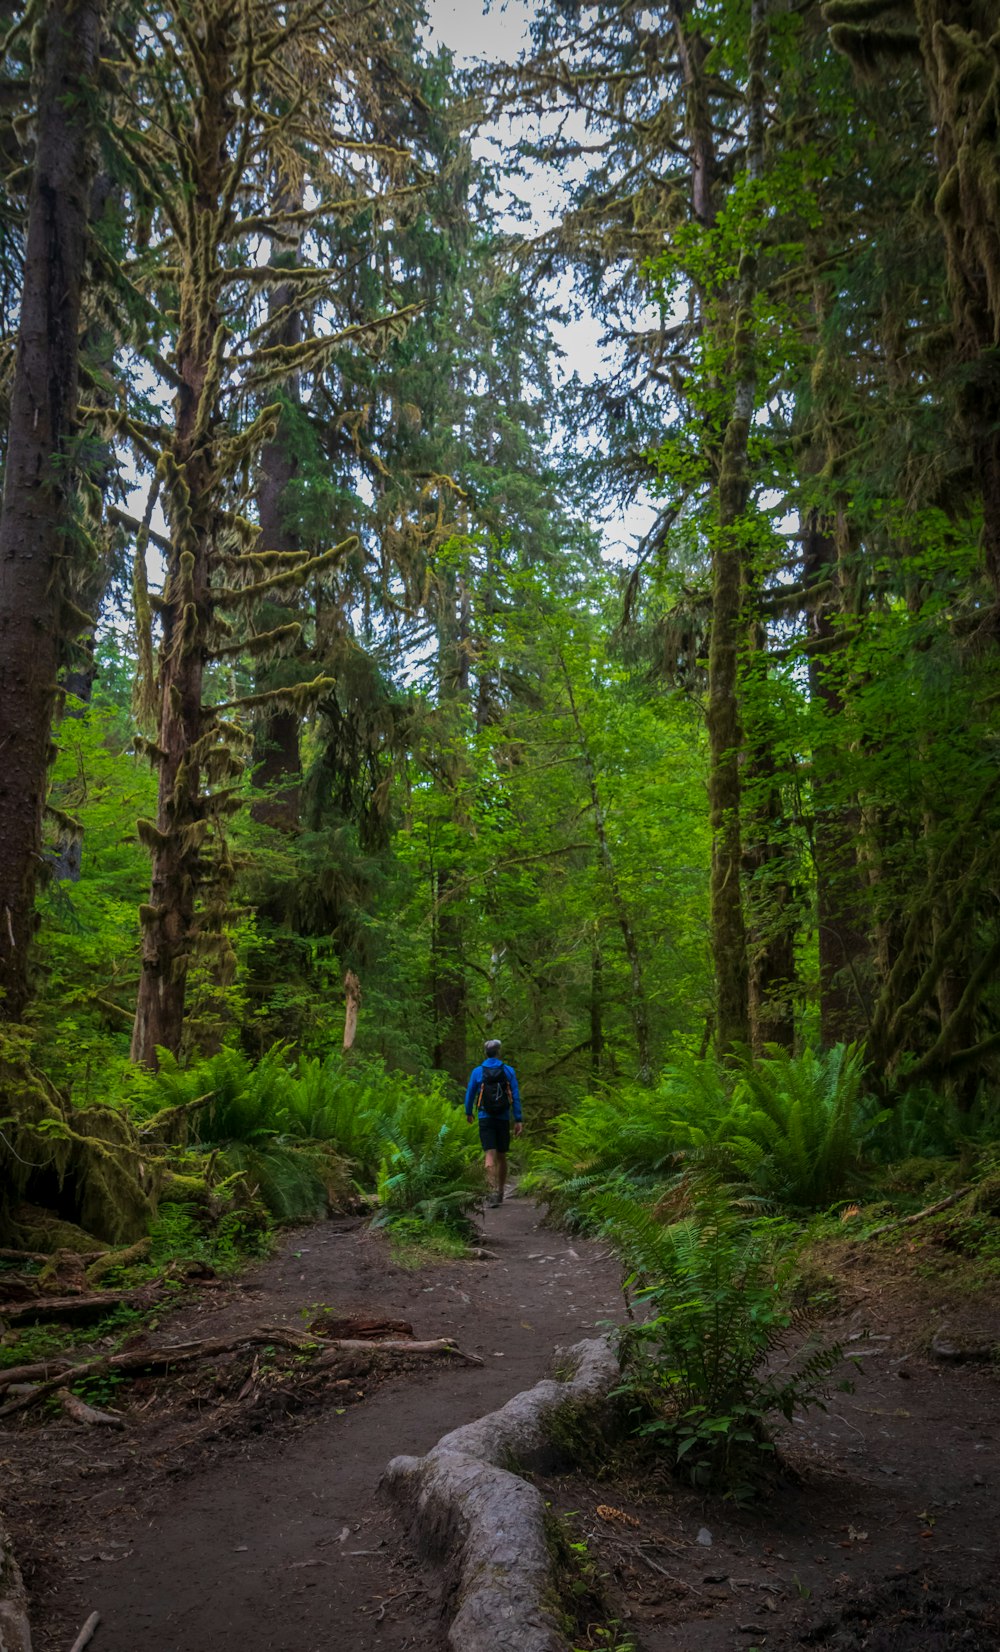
495	1133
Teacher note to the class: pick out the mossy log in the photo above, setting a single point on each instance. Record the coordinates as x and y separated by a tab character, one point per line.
92	1153
470	1511
81	1310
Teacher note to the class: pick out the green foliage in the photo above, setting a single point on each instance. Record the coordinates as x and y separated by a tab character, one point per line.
291	1130
433	1179
701	1368
787	1128
796	1127
180	1233
82	1015
416	1242
927	1123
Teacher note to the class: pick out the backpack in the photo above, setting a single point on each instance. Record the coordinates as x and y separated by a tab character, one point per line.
494	1092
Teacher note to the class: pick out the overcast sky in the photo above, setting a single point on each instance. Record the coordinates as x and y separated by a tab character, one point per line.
499	32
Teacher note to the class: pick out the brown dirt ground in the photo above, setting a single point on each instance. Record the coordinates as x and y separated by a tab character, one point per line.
239	1508
883	1535
252	1524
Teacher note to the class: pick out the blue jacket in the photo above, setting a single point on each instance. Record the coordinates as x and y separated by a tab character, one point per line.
475	1083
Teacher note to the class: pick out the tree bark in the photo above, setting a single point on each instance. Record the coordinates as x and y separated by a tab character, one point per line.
448	983
278	760
640	1011
844	944
168	920
35	531
725	731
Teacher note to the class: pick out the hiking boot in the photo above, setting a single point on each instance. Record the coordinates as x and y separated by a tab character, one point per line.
496	1199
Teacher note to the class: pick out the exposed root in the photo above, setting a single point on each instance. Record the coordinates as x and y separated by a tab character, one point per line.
473	1513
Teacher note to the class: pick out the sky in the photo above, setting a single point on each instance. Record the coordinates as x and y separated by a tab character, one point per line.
500	32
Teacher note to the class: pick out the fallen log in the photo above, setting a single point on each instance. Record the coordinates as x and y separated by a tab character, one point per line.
89	1414
117	1259
356	1325
37	1371
397	1345
81	1310
8	1255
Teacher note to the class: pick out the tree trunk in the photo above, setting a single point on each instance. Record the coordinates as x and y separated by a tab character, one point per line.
448	984
277	757
35	532
725	733
182	822
596	1007
844	944
637	1000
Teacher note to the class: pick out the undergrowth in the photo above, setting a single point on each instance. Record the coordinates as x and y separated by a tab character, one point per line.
718	1351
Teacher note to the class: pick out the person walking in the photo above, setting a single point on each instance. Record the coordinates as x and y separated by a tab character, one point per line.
492	1095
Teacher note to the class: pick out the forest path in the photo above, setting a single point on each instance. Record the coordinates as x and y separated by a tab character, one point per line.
277	1542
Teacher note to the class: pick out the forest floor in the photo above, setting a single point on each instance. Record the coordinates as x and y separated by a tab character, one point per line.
238	1508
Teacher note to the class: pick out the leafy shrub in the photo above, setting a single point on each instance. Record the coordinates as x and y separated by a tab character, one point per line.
290	1129
786	1128
796	1124
700	1369
435	1181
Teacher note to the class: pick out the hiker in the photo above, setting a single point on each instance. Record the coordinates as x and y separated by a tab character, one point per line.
492	1092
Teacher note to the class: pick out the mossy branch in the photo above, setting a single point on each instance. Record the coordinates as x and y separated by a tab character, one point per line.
299	697
238	595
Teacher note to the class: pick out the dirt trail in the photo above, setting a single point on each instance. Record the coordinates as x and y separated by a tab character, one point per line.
277	1543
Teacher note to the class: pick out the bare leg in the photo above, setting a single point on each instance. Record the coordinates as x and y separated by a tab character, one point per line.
492	1169
501	1181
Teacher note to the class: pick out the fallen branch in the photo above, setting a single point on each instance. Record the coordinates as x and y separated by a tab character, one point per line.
324	1350
437	1345
35	1372
89	1414
167	1115
908	1221
86	1634
8	1255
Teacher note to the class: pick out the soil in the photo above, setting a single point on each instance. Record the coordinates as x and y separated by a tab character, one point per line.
881	1533
239	1508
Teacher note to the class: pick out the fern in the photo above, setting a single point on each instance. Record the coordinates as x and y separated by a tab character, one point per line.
716	1288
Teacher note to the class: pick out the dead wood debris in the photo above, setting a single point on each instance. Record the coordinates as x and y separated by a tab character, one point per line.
83	1413
908	1221
81	1309
324	1352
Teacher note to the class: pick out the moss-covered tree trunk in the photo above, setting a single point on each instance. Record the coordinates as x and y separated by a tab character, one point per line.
725	731
449	991
168	920
844	942
36	543
277	752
